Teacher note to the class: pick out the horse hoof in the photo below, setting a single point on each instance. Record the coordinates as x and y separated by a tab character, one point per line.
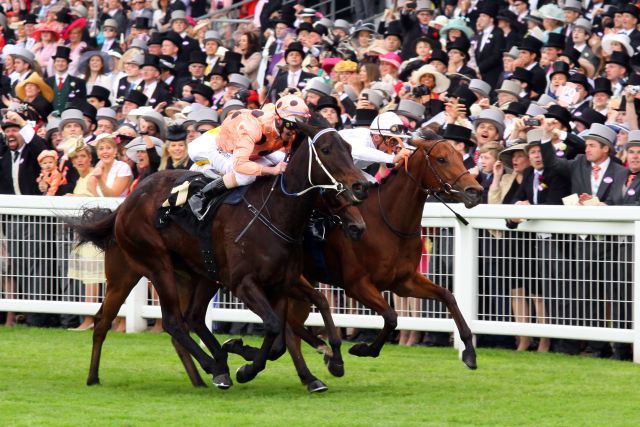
231	345
361	350
93	381
245	373
469	359
336	369
222	381
317	386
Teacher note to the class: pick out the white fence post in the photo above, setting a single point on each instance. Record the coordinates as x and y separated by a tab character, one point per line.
465	283
636	293
136	300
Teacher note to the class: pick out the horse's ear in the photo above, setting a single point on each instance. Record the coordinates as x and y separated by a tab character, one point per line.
303	126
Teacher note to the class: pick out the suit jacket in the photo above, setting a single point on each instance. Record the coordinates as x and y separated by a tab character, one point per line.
160	94
578	171
180	83
412	31
73	89
634	35
114	46
514	38
280	83
489	59
554	187
28	170
124	87
630	196
188	45
539	80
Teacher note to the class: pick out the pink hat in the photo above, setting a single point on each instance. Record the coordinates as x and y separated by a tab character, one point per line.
392	58
329	63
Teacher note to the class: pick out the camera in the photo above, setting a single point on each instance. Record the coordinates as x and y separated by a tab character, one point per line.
634	90
419	91
532	122
411	5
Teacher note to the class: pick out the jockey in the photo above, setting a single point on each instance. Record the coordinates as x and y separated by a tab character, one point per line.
378	143
246	145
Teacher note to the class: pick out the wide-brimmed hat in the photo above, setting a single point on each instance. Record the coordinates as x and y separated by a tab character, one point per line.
50	27
77	23
459	134
138	144
601	133
506	155
100	92
85	57
442	82
107	113
623	39
73	115
551	11
561	114
34	78
413	110
391	58
457	24
493	116
588	116
510	87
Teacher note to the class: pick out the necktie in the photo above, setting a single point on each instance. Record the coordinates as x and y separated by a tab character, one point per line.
630	178
60	82
292	80
476	156
596	172
536	184
16	155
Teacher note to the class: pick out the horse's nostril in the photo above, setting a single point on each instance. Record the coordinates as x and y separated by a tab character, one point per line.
360	189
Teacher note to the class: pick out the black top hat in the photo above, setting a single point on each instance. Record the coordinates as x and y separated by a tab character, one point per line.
174	38
151	61
602	84
555	40
232	62
394	28
438	55
364	117
284	18
507	15
561	114
572	54
102	93
515	108
155	38
320	29
141	23
137	97
582	80
294	47
458	133
588	116
176	133
468	97
629	8
63	52
203	90
197	57
462	44
31	19
560	67
522	74
327	102
87	109
488	8
304	26
620	58
64	16
531	44
218	70
167	63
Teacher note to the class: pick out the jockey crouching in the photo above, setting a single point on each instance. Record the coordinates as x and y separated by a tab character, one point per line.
246	144
381	144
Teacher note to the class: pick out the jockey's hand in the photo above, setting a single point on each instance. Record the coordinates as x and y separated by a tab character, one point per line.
401	155
274	170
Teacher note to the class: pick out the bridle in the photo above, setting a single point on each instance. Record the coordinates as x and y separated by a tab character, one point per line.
444	186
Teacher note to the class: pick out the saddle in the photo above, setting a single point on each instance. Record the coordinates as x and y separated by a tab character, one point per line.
176	210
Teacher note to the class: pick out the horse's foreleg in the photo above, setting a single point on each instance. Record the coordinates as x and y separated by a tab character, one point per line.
313	384
421	287
189	366
366	293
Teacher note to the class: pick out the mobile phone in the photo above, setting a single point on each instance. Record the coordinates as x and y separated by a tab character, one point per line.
365	96
411	5
532	122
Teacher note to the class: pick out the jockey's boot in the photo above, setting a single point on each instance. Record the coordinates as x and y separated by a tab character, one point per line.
199	201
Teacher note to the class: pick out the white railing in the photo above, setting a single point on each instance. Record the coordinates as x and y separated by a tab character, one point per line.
589	285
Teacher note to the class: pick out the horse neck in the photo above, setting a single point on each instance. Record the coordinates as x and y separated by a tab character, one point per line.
401	197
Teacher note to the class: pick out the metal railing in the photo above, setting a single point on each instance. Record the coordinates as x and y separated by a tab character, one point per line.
567	272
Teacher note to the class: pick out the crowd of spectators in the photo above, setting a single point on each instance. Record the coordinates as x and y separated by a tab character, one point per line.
539	97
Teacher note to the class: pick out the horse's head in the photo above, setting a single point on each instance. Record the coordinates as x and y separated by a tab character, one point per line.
443	172
348	215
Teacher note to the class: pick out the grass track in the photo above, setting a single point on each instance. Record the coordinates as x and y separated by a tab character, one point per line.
43	371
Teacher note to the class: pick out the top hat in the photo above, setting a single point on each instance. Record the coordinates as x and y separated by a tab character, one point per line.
459	134
155	38
582	80
515	108
634	139
571	53
328	102
489	8
73	115
573	5
481	87
62	52
294	47
413	110
462	44
151	61
602	84
174	38
218	70
100	92
560	67
179	15
555	40
239	80
602	134
510	87
588	116
394	28
197	57
232	62
438	55
107	113
213	36
493	116
508	16
531	44
561	114
203	90
629	8
31	19
364	117
304	26
522	74
583	23
141	23
620	58
137	97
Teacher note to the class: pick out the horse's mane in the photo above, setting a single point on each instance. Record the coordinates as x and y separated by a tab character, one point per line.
315	120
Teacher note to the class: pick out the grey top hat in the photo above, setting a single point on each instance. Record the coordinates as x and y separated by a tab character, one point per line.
157	119
73	115
511	87
493	116
204	115
107	114
318	86
24	54
326	22
545	100
213	35
535	135
52	124
112	23
573	5
385	89
535	110
239	80
343	24
351	93
481	87
137	59
178	15
601	133
583	23
229	106
374	97
411	109
307	12
139	44
138	144
424	5
634	139
514	52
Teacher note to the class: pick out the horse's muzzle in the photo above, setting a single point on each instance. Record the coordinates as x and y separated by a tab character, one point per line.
471	197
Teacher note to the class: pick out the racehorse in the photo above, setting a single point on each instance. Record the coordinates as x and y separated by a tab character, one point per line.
387	257
258	269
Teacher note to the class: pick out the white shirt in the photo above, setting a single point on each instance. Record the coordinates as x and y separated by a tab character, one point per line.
149	88
595	184
485	36
27	134
539	173
293	77
363	149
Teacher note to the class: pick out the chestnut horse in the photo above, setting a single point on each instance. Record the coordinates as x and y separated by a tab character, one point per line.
387	257
258	269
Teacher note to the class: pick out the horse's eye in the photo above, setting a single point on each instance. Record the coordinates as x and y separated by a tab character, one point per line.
442	160
325	151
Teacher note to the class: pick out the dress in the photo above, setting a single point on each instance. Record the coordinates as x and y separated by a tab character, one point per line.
117	170
86	262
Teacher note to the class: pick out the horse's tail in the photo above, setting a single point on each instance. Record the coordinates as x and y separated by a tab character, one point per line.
96	225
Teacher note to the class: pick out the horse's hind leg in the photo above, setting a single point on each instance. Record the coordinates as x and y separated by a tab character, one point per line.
120	281
189	366
313	384
421	287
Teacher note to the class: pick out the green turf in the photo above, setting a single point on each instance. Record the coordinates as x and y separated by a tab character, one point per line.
43	373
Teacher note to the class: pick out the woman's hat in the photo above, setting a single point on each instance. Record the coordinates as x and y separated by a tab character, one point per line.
85	57
623	39
50	27
157	119
506	155
138	144
442	82
457	24
34	78
78	23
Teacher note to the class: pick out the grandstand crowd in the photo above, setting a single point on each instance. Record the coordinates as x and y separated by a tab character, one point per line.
538	97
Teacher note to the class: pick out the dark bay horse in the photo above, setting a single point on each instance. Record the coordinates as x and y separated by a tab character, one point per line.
258	269
388	255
